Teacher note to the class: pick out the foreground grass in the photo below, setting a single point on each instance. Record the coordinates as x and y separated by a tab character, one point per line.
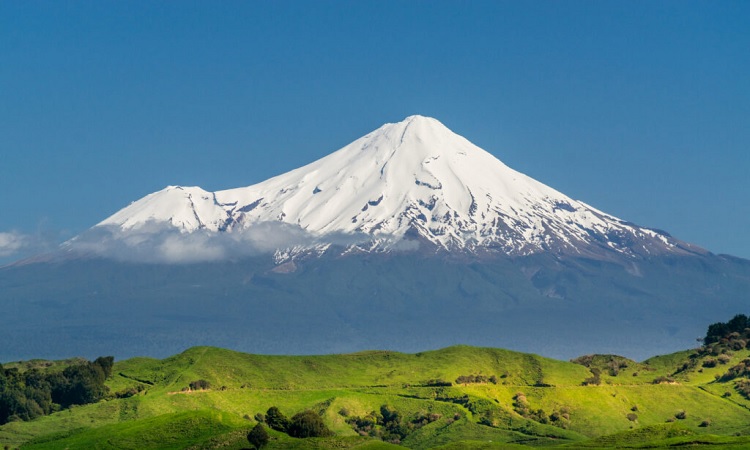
626	410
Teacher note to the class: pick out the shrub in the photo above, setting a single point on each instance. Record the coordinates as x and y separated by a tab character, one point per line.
595	379
743	387
682	415
198	385
467	379
740	370
662	380
521	404
308	424
710	362
131	391
276	419
705	423
258	436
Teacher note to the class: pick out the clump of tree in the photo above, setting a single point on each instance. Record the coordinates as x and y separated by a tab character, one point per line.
612	364
560	418
522	407
740	370
738	328
276	419
304	424
131	391
478	378
199	385
743	387
521	404
663	380
389	424
37	392
709	362
595	378
307	424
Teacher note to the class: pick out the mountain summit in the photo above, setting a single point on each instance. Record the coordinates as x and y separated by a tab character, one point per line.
409	182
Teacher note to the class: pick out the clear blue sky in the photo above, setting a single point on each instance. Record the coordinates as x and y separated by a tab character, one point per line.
639	108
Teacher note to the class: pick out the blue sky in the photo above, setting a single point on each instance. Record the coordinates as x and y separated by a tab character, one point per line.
641	109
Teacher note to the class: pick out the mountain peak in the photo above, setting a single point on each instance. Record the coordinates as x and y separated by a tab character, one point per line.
420	133
411	181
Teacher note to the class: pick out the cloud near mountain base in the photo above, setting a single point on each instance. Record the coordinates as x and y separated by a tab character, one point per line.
12	243
16	245
159	243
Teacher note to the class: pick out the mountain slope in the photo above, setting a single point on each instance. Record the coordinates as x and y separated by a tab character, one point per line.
559	307
406	183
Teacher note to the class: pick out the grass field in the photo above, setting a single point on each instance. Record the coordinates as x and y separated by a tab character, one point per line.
625	410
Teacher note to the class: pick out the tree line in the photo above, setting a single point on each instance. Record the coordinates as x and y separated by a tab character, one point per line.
25	395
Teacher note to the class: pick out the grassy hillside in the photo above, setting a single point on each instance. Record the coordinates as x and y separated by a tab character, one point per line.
457	397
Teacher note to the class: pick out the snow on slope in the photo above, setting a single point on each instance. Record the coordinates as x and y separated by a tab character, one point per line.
409	181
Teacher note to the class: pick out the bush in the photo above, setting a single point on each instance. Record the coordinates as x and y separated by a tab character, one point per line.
662	380
467	379
595	379
710	362
720	330
276	419
199	385
682	415
308	424
743	387
705	423
258	436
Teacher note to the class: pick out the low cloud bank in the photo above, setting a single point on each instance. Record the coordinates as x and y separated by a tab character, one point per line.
160	243
15	245
12	243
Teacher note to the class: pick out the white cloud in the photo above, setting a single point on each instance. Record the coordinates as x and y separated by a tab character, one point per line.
12	243
161	243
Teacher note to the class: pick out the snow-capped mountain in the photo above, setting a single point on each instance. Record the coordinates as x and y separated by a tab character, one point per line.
414	180
581	276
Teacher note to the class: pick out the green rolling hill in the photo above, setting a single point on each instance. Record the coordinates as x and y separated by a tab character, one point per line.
457	397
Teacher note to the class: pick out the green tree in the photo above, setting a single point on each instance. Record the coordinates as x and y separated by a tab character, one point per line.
106	363
276	419
308	424
258	436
